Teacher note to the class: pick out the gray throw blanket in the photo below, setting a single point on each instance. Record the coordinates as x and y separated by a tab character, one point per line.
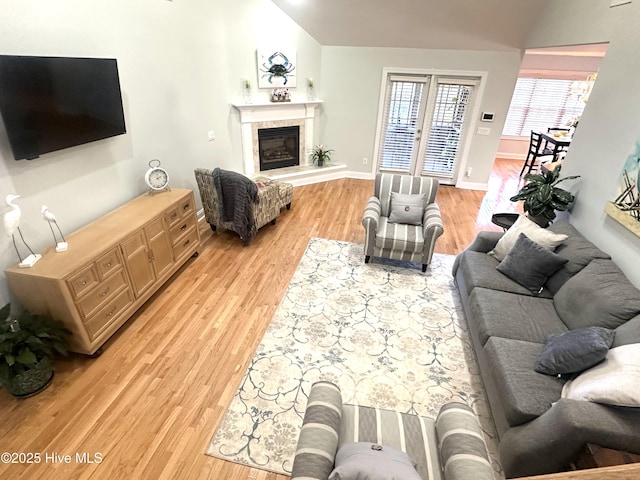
236	196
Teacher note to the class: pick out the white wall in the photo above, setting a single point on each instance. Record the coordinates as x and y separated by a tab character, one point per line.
351	82
181	65
610	125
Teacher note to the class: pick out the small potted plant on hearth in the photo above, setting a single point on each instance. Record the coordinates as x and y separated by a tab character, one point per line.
27	345
542	197
320	155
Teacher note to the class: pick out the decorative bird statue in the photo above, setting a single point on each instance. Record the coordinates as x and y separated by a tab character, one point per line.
12	225
51	220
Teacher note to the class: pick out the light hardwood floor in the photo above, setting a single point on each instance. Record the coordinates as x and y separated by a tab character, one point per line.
150	403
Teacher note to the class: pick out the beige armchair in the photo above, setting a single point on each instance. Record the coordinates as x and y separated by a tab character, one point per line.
402	241
272	196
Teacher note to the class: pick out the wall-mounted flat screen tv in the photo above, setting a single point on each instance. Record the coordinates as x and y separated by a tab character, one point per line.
51	103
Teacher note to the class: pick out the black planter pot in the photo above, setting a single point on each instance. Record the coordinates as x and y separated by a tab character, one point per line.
539	219
30	382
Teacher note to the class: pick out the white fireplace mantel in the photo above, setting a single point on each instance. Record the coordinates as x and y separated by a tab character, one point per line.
275	114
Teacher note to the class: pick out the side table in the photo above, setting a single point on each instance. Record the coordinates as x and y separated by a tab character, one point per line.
504	220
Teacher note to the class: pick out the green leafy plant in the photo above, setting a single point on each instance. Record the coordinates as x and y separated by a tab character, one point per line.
28	340
541	195
320	154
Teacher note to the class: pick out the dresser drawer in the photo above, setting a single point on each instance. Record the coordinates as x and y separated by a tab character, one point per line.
109	263
185	243
102	293
108	314
179	211
83	281
181	228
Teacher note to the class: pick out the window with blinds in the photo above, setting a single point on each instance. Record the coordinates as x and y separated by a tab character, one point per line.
423	123
540	103
447	121
402	112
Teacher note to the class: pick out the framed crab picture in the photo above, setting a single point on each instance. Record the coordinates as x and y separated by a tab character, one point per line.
276	68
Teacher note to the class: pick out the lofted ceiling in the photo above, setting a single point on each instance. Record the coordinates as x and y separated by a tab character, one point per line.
429	24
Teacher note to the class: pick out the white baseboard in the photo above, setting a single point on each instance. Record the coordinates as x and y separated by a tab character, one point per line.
200	215
333	172
308	175
361	175
511	156
473	186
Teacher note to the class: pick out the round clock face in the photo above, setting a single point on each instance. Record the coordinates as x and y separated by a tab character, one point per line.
157	178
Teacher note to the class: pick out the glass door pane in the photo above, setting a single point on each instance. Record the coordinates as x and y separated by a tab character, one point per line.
403	117
446	127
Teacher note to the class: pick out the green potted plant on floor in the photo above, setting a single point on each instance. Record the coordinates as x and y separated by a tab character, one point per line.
542	197
320	155
27	345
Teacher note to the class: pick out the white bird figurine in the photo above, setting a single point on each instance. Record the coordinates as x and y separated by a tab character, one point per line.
12	225
51	219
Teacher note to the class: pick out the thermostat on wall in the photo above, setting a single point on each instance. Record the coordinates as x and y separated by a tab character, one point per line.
487	117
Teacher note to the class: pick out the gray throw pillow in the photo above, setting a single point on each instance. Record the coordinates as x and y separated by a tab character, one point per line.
598	295
529	264
407	209
533	231
359	461
574	351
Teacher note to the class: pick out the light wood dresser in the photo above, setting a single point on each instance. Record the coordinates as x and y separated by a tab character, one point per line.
113	265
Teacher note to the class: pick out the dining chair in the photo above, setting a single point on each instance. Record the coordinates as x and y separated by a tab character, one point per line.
536	150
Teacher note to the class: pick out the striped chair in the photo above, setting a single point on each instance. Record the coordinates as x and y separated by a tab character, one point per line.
395	240
451	447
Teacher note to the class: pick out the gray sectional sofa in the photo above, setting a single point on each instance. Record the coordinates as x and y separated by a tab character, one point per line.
540	432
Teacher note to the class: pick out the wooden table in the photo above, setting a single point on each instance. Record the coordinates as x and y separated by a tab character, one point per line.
559	143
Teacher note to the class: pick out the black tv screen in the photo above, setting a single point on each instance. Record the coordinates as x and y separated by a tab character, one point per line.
51	103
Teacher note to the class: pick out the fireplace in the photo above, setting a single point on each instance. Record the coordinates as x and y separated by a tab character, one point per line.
279	147
256	116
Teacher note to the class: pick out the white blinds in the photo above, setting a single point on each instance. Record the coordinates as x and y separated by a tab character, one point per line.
540	103
447	122
402	120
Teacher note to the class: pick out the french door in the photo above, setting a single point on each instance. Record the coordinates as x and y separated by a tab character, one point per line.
424	122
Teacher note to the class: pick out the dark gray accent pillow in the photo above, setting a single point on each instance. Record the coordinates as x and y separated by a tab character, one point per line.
574	351
599	295
359	461
529	264
406	208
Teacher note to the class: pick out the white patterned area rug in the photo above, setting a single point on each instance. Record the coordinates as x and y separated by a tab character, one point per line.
387	334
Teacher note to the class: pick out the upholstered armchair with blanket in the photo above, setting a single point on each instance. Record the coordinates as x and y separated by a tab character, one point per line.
241	204
402	220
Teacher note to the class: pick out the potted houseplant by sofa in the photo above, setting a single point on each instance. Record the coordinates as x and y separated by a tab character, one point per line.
320	155
542	197
27	345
